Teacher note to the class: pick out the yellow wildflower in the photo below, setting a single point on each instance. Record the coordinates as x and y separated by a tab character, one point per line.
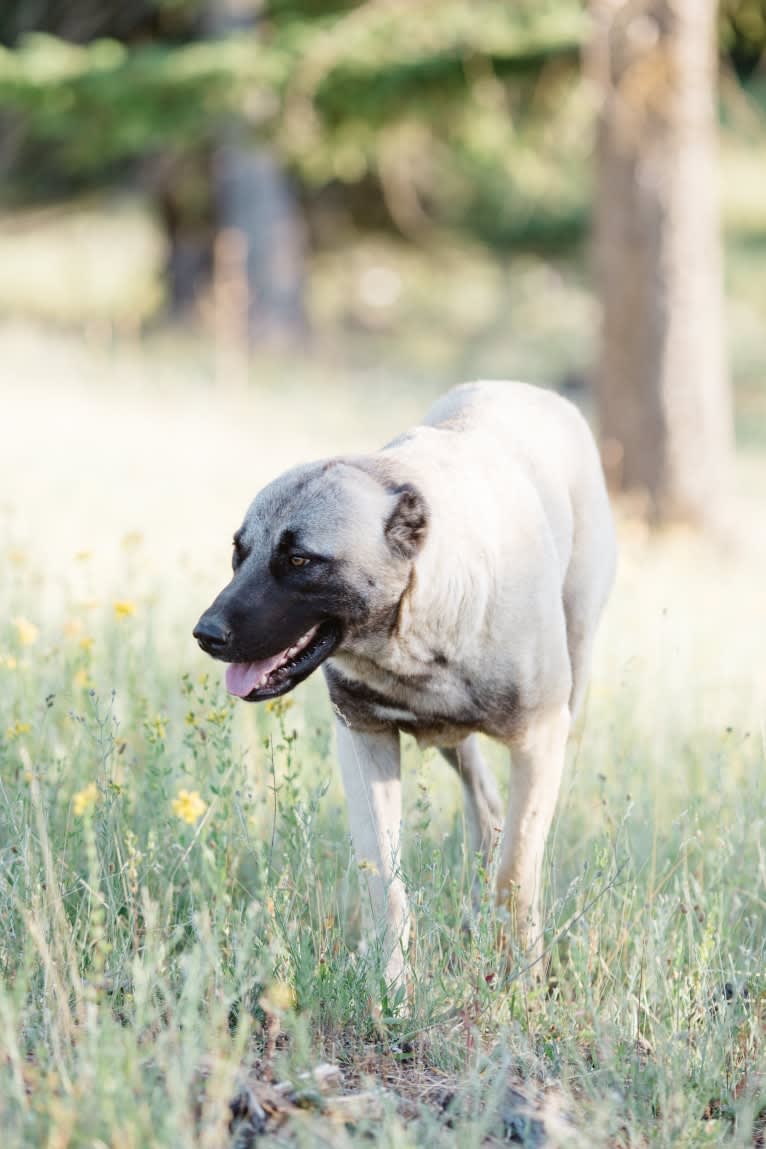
188	806
86	643
17	730
278	998
123	608
132	540
27	631
82	678
8	661
84	799
218	717
279	706
83	556
156	728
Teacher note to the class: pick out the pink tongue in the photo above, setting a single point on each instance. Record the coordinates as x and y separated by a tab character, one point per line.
243	677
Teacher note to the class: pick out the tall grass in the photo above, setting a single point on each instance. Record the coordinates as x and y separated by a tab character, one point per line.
179	906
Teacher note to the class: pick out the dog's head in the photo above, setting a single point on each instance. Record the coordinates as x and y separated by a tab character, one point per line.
324	554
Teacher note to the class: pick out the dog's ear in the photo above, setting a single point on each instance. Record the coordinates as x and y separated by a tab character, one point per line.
406	525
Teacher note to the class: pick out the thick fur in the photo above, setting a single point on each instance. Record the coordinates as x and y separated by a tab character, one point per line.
465	566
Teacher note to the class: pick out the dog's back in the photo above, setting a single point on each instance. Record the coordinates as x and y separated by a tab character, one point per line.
514	432
536	456
519	426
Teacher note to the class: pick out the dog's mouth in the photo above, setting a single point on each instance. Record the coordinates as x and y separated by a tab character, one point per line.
270	677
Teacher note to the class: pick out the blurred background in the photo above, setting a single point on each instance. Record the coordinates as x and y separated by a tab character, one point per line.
234	233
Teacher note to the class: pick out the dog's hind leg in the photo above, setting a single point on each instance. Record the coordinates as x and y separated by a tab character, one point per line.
536	769
588	580
483	808
371	771
580	635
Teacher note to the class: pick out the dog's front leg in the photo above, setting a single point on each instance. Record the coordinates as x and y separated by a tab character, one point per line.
371	771
536	769
483	808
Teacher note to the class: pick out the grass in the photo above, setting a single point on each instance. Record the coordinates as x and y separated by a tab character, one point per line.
179	908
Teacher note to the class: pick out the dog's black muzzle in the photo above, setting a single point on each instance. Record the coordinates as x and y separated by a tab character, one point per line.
274	634
299	640
212	634
252	620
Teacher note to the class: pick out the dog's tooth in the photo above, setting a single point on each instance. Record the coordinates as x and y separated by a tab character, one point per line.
307	637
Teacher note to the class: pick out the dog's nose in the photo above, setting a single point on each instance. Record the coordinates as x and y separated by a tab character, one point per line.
211	634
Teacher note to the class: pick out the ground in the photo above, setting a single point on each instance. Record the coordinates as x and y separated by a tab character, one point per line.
179	907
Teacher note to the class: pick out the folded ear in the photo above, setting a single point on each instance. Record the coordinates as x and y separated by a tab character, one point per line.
406	525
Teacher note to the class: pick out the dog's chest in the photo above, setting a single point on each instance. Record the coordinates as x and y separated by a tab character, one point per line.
440	707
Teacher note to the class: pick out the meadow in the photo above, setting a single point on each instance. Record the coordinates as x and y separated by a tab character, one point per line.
179	907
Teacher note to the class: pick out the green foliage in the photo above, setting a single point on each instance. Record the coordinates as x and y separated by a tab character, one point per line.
424	100
469	115
743	33
104	103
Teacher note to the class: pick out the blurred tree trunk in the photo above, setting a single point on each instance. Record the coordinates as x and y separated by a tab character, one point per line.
255	203
181	185
663	389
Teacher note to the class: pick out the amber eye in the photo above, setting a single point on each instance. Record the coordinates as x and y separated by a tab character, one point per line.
299	561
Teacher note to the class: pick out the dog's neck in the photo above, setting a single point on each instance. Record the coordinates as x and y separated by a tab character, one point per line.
441	618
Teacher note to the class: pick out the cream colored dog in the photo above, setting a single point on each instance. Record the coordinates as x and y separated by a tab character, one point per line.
451	584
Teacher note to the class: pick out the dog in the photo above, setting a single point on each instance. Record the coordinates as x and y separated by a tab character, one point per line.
450	585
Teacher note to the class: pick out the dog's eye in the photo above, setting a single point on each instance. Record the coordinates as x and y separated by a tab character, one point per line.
299	561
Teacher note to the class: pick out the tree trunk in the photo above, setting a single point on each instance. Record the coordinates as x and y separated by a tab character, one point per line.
255	201
662	384
181	185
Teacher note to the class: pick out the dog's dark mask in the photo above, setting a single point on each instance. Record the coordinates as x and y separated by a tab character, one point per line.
288	607
274	623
